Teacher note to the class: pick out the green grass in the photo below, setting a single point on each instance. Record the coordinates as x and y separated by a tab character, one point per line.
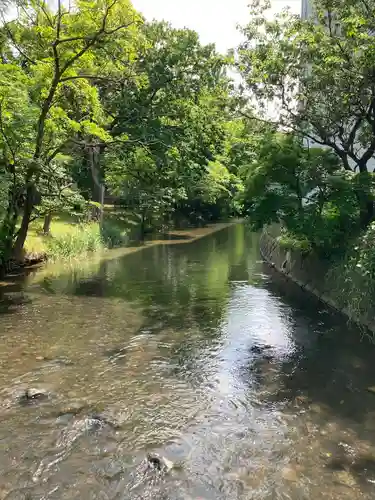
61	225
77	242
70	237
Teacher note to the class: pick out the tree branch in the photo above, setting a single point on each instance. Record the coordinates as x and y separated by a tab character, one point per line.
56	151
75	39
94	38
42	6
55	43
10	34
86	77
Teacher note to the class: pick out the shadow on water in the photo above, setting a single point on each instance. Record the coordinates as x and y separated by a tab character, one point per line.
197	350
172	287
333	362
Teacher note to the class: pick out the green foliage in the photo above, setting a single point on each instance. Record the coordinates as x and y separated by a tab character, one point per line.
353	276
364	259
173	116
291	242
91	96
113	234
47	94
83	240
305	189
4	186
325	64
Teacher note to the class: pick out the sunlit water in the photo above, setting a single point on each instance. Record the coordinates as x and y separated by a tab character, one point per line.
194	351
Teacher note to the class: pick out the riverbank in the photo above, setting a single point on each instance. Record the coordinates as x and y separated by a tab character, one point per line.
73	237
73	242
338	283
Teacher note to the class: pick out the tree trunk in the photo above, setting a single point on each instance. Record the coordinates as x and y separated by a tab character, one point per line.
98	187
31	190
47	223
101	201
22	234
367	213
143	225
8	228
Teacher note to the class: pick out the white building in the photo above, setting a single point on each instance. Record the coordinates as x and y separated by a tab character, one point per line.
306	9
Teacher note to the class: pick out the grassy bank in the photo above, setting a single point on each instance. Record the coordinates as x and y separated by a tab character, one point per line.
70	237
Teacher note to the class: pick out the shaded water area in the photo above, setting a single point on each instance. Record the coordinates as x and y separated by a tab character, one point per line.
195	351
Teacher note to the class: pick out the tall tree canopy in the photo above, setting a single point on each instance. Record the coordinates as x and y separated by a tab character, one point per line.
320	74
49	63
92	96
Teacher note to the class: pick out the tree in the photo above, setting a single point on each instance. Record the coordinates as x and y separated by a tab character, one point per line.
173	113
53	57
91	97
320	74
17	116
304	189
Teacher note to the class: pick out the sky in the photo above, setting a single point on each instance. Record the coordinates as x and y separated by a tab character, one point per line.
214	20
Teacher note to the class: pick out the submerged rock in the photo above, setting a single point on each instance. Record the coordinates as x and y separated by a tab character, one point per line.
301	399
260	348
60	361
150	471
33	395
77	428
106	420
345	478
159	462
73	410
289	474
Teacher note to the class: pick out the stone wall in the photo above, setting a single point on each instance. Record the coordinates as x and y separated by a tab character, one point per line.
309	272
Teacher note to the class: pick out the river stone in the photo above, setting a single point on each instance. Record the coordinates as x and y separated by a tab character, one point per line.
73	409
34	395
59	361
260	348
77	428
316	408
301	399
365	448
310	427
345	478
289	474
159	462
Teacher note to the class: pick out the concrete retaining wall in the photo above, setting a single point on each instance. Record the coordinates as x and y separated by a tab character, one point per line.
309	272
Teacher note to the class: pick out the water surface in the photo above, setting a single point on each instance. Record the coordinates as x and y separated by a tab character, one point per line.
192	350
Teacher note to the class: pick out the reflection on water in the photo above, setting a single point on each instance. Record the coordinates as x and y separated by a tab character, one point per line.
194	351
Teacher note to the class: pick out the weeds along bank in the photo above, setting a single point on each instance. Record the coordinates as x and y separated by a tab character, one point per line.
346	282
73	239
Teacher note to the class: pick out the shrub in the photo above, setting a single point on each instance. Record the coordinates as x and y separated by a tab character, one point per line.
354	275
82	240
291	242
113	235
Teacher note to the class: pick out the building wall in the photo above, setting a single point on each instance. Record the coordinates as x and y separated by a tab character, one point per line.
306	9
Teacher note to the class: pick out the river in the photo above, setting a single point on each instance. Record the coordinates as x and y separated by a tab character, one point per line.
195	351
